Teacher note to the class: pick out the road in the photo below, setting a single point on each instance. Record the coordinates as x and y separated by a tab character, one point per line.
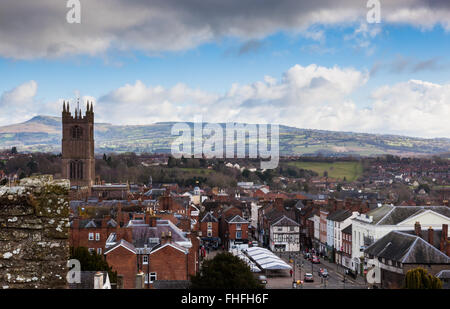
334	280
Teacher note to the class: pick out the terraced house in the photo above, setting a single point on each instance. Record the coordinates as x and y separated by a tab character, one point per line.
377	223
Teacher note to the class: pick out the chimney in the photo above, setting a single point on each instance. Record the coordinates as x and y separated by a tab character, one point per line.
140	280
279	204
430	236
98	280
417	229
76	223
444	241
119	282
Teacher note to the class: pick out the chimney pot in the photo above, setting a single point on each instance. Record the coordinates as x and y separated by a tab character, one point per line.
430	236
98	280
418	228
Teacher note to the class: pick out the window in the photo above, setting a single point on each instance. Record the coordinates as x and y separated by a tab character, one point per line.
99	250
209	233
152	277
76	169
76	132
292	228
91	236
91	250
210	225
97	236
145	261
279	229
238	226
238	234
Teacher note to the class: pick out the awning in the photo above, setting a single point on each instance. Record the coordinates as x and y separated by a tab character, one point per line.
265	259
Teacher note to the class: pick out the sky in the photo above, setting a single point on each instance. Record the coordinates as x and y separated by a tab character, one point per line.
309	64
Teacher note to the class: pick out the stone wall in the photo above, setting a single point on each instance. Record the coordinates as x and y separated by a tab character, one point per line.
34	232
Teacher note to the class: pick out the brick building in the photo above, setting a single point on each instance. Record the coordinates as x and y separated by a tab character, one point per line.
209	228
91	233
158	248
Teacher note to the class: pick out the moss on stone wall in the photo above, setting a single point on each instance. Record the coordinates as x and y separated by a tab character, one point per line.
34	232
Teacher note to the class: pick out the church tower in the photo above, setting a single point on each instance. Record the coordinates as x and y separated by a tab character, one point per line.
78	162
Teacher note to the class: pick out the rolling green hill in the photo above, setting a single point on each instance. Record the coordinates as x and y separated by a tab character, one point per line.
43	133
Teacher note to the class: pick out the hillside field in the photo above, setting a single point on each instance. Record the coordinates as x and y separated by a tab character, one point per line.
350	170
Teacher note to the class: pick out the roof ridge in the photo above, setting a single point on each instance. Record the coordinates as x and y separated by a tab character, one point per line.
388	213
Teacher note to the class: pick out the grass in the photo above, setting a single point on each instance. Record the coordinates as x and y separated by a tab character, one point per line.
350	170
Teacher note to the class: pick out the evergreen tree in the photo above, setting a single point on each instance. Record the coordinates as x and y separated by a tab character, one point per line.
92	262
225	271
418	278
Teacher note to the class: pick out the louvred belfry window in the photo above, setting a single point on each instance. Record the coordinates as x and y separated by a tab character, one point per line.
76	132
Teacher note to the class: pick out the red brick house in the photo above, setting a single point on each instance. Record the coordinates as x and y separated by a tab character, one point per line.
209	228
91	233
235	231
156	247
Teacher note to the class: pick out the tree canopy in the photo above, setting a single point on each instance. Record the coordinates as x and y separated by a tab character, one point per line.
225	271
418	278
92	261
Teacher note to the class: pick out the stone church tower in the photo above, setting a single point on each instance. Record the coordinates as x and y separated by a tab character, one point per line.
78	162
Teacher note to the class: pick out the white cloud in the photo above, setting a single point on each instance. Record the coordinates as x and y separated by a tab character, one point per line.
18	103
306	97
35	29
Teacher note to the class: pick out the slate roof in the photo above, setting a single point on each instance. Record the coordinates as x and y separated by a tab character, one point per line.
407	249
122	243
392	215
171	284
209	217
236	219
347	230
285	221
141	234
94	223
339	215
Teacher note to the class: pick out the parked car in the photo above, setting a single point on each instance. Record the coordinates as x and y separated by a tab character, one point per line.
253	243
308	277
323	272
262	279
315	260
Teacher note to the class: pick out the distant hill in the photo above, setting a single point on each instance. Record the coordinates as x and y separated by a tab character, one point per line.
43	133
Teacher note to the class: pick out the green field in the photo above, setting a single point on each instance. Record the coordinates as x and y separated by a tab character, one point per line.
350	170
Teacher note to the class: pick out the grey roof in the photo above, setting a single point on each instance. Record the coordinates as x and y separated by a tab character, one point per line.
347	230
392	215
87	280
94	223
209	217
444	274
171	284
123	243
142	234
339	215
285	221
236	219
406	248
